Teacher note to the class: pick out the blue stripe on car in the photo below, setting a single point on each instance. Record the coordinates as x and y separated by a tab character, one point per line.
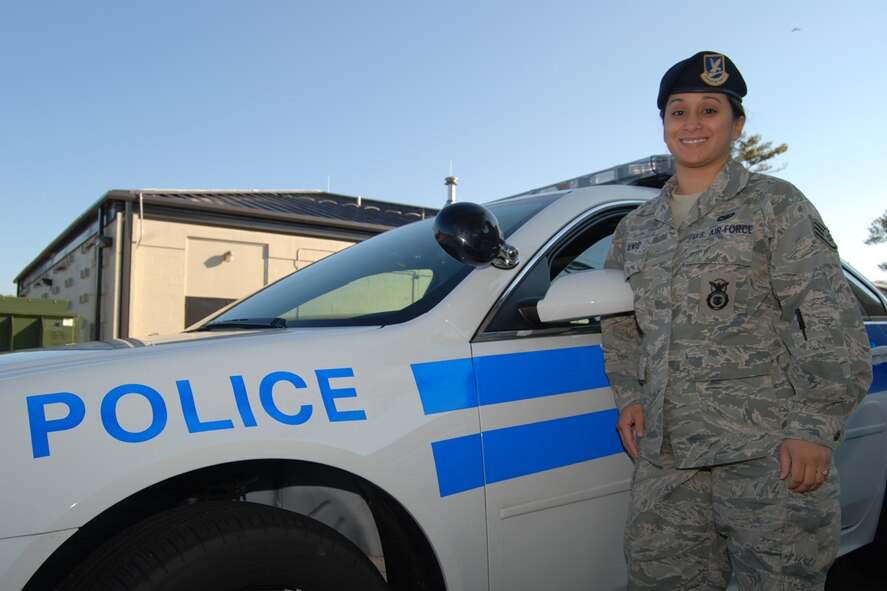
469	462
459	463
534	374
877	332
445	386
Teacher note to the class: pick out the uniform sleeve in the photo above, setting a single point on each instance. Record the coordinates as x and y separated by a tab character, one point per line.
620	338
830	361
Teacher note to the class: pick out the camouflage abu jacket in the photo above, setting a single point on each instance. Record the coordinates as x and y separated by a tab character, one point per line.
745	331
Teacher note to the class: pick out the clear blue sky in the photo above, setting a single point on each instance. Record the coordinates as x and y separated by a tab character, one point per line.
378	98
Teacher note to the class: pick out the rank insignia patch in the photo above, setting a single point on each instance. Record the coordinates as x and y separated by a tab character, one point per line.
714	73
823	234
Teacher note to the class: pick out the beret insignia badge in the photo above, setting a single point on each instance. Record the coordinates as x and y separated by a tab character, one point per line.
714	73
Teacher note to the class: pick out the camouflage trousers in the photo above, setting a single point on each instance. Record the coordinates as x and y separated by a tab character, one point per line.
689	529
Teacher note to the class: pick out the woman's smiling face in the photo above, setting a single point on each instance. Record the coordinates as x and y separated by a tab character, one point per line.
699	129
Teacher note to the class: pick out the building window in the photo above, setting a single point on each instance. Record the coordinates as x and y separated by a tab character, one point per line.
196	309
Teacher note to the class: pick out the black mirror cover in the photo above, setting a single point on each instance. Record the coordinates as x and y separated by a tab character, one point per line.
469	233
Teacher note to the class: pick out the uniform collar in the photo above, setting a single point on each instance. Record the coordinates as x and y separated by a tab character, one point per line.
729	182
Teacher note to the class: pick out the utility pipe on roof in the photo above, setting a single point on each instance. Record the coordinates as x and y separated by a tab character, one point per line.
141	217
118	274
99	247
451	182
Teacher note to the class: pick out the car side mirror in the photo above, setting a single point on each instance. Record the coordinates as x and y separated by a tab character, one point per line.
470	233
584	294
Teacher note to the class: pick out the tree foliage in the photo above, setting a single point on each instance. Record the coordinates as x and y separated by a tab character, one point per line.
878	234
756	154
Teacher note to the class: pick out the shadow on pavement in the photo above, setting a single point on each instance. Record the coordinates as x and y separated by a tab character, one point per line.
858	571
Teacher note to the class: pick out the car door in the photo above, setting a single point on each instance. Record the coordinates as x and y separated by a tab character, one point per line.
861	459
556	476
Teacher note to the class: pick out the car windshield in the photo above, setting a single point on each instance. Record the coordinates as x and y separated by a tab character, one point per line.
388	279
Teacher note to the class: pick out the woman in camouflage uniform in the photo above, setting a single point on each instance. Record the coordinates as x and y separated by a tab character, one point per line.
735	373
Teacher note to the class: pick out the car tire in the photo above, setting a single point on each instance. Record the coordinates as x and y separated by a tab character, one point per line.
227	546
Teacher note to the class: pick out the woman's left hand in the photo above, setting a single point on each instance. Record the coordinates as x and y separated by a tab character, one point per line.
804	465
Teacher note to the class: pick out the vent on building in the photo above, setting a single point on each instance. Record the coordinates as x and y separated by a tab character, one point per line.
64	263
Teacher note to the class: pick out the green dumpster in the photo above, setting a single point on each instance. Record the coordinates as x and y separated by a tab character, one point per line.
28	323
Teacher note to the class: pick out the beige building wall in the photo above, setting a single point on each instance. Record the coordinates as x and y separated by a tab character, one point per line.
174	263
164	270
71	277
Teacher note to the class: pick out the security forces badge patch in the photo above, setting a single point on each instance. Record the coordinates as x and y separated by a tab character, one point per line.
717	295
718	298
714	73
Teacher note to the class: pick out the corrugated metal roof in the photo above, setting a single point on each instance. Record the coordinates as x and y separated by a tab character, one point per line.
314	204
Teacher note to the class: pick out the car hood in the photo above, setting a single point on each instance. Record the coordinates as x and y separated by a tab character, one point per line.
101	351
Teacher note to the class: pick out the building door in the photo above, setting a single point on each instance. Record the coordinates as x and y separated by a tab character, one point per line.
218	272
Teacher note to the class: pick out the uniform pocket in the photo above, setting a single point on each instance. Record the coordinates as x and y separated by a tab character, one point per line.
720	362
718	277
669	513
735	387
634	263
646	280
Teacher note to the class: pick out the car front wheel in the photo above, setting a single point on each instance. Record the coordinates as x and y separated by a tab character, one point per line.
227	546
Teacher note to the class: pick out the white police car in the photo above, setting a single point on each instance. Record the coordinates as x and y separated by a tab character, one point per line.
387	418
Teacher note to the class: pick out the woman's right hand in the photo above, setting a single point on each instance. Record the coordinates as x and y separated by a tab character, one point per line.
631	426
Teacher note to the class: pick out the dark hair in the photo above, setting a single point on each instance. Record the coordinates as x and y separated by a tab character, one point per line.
738	109
735	105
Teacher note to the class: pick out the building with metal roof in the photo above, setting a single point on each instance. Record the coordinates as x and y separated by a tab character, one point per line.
154	261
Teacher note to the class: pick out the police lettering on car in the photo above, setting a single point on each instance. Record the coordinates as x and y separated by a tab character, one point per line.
74	410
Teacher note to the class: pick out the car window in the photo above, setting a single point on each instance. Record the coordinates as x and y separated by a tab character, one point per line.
388	279
870	305
379	293
583	248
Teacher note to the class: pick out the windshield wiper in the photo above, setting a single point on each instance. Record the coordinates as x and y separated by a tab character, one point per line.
245	323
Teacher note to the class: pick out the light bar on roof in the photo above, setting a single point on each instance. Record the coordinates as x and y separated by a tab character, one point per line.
622	174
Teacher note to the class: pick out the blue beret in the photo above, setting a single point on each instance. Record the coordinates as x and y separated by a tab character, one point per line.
706	71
